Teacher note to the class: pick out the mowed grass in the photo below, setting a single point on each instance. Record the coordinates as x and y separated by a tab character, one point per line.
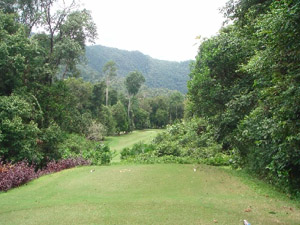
145	194
117	143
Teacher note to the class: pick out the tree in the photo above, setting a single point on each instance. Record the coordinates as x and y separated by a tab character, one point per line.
98	98
133	82
161	117
119	114
19	130
245	83
21	59
81	92
159	103
176	106
63	32
113	97
110	71
219	90
29	12
106	118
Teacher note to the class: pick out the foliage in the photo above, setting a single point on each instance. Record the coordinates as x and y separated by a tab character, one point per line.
96	132
56	166
100	155
14	175
245	83
164	109
158	73
19	131
98	98
191	139
110	72
77	146
137	149
106	118
141	118
74	145
180	143
120	116
21	59
49	141
133	82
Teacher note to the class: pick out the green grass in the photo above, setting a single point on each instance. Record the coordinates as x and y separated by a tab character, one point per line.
145	194
117	143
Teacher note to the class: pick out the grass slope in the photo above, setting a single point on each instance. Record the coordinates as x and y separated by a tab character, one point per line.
117	143
144	194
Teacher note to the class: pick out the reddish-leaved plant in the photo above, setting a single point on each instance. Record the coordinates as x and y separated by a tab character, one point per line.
14	175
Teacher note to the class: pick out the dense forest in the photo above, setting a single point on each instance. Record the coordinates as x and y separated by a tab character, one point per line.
246	85
158	73
242	108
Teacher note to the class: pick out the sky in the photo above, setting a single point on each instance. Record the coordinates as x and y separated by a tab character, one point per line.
162	29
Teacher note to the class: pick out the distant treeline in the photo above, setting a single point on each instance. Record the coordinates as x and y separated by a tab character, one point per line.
158	73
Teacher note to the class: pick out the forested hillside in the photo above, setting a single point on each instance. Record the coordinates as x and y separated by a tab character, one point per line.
158	73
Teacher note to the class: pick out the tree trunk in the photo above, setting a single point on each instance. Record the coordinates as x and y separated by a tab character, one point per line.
128	111
106	92
106	98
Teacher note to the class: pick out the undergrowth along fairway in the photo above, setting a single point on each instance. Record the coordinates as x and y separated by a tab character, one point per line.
144	194
117	143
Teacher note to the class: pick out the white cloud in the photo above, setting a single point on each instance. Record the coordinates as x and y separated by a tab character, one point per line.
163	29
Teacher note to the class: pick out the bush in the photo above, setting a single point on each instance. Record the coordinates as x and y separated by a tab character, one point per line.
18	130
96	131
100	155
49	142
63	164
137	149
191	140
14	175
168	148
77	146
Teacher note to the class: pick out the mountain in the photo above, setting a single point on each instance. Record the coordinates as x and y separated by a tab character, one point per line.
158	73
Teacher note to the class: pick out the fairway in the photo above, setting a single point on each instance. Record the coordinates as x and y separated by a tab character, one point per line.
143	194
117	143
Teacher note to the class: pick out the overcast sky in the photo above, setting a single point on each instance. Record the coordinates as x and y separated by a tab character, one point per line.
163	29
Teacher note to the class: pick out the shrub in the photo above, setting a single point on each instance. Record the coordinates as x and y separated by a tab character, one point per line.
96	131
63	164
181	143
18	130
137	149
15	175
77	146
50	139
100	155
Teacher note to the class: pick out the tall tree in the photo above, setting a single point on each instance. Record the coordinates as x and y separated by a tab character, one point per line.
98	98
110	71
119	114
133	82
176	106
